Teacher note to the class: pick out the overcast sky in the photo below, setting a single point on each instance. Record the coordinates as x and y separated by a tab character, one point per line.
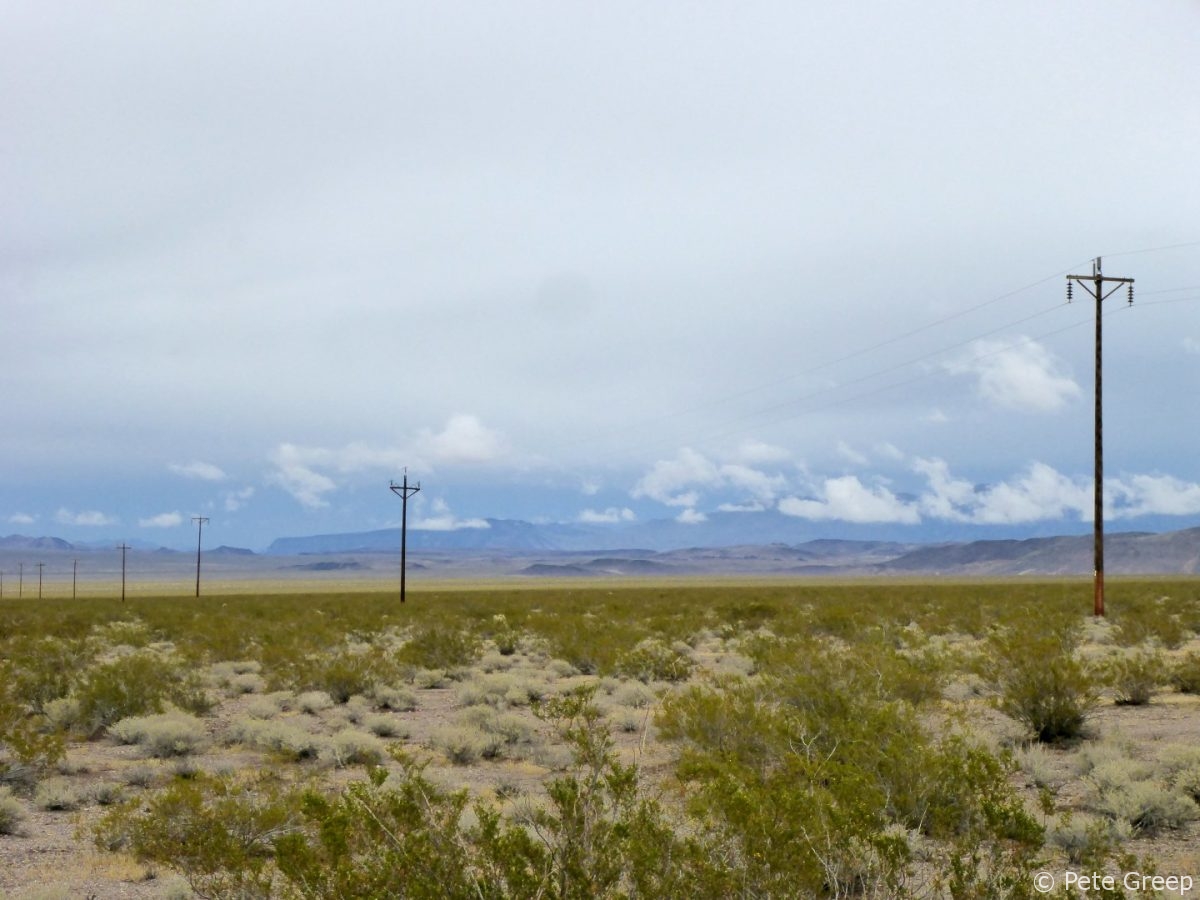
592	262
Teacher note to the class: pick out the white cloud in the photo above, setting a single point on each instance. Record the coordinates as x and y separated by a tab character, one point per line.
1145	495
21	518
464	440
590	488
303	471
848	453
1021	375
849	500
235	500
162	520
609	516
1041	493
763	487
753	506
888	450
444	520
1038	494
358	456
948	497
680	482
753	451
89	518
691	517
1191	345
197	469
668	480
295	475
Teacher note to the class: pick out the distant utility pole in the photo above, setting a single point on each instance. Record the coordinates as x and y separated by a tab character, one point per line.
20	580
74	578
1	584
40	567
123	547
1096	285
199	520
403	491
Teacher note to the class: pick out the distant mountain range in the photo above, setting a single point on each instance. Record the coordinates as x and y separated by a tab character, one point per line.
508	547
720	529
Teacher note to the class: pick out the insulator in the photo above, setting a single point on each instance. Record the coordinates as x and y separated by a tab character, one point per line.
1069	286
1131	294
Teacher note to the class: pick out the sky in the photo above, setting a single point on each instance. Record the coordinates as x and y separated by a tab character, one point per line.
607	262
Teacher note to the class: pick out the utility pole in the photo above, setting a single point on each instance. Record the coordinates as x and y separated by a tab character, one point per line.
1097	285
123	547
403	490
20	580
40	567
199	520
74	578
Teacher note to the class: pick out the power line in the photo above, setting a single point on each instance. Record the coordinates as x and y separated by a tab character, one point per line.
854	354
1154	249
758	415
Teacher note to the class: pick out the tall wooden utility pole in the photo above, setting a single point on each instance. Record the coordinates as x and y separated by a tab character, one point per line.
403	490
123	547
1095	284
199	520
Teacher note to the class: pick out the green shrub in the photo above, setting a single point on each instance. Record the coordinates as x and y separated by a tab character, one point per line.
386	726
837	772
653	660
11	812
106	793
43	670
349	671
57	795
313	702
247	683
634	695
1141	620
1185	675
1043	684
136	685
1147	806
162	735
402	840
462	745
1083	837
352	747
28	739
219	833
398	699
266	707
292	742
436	647
1134	676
